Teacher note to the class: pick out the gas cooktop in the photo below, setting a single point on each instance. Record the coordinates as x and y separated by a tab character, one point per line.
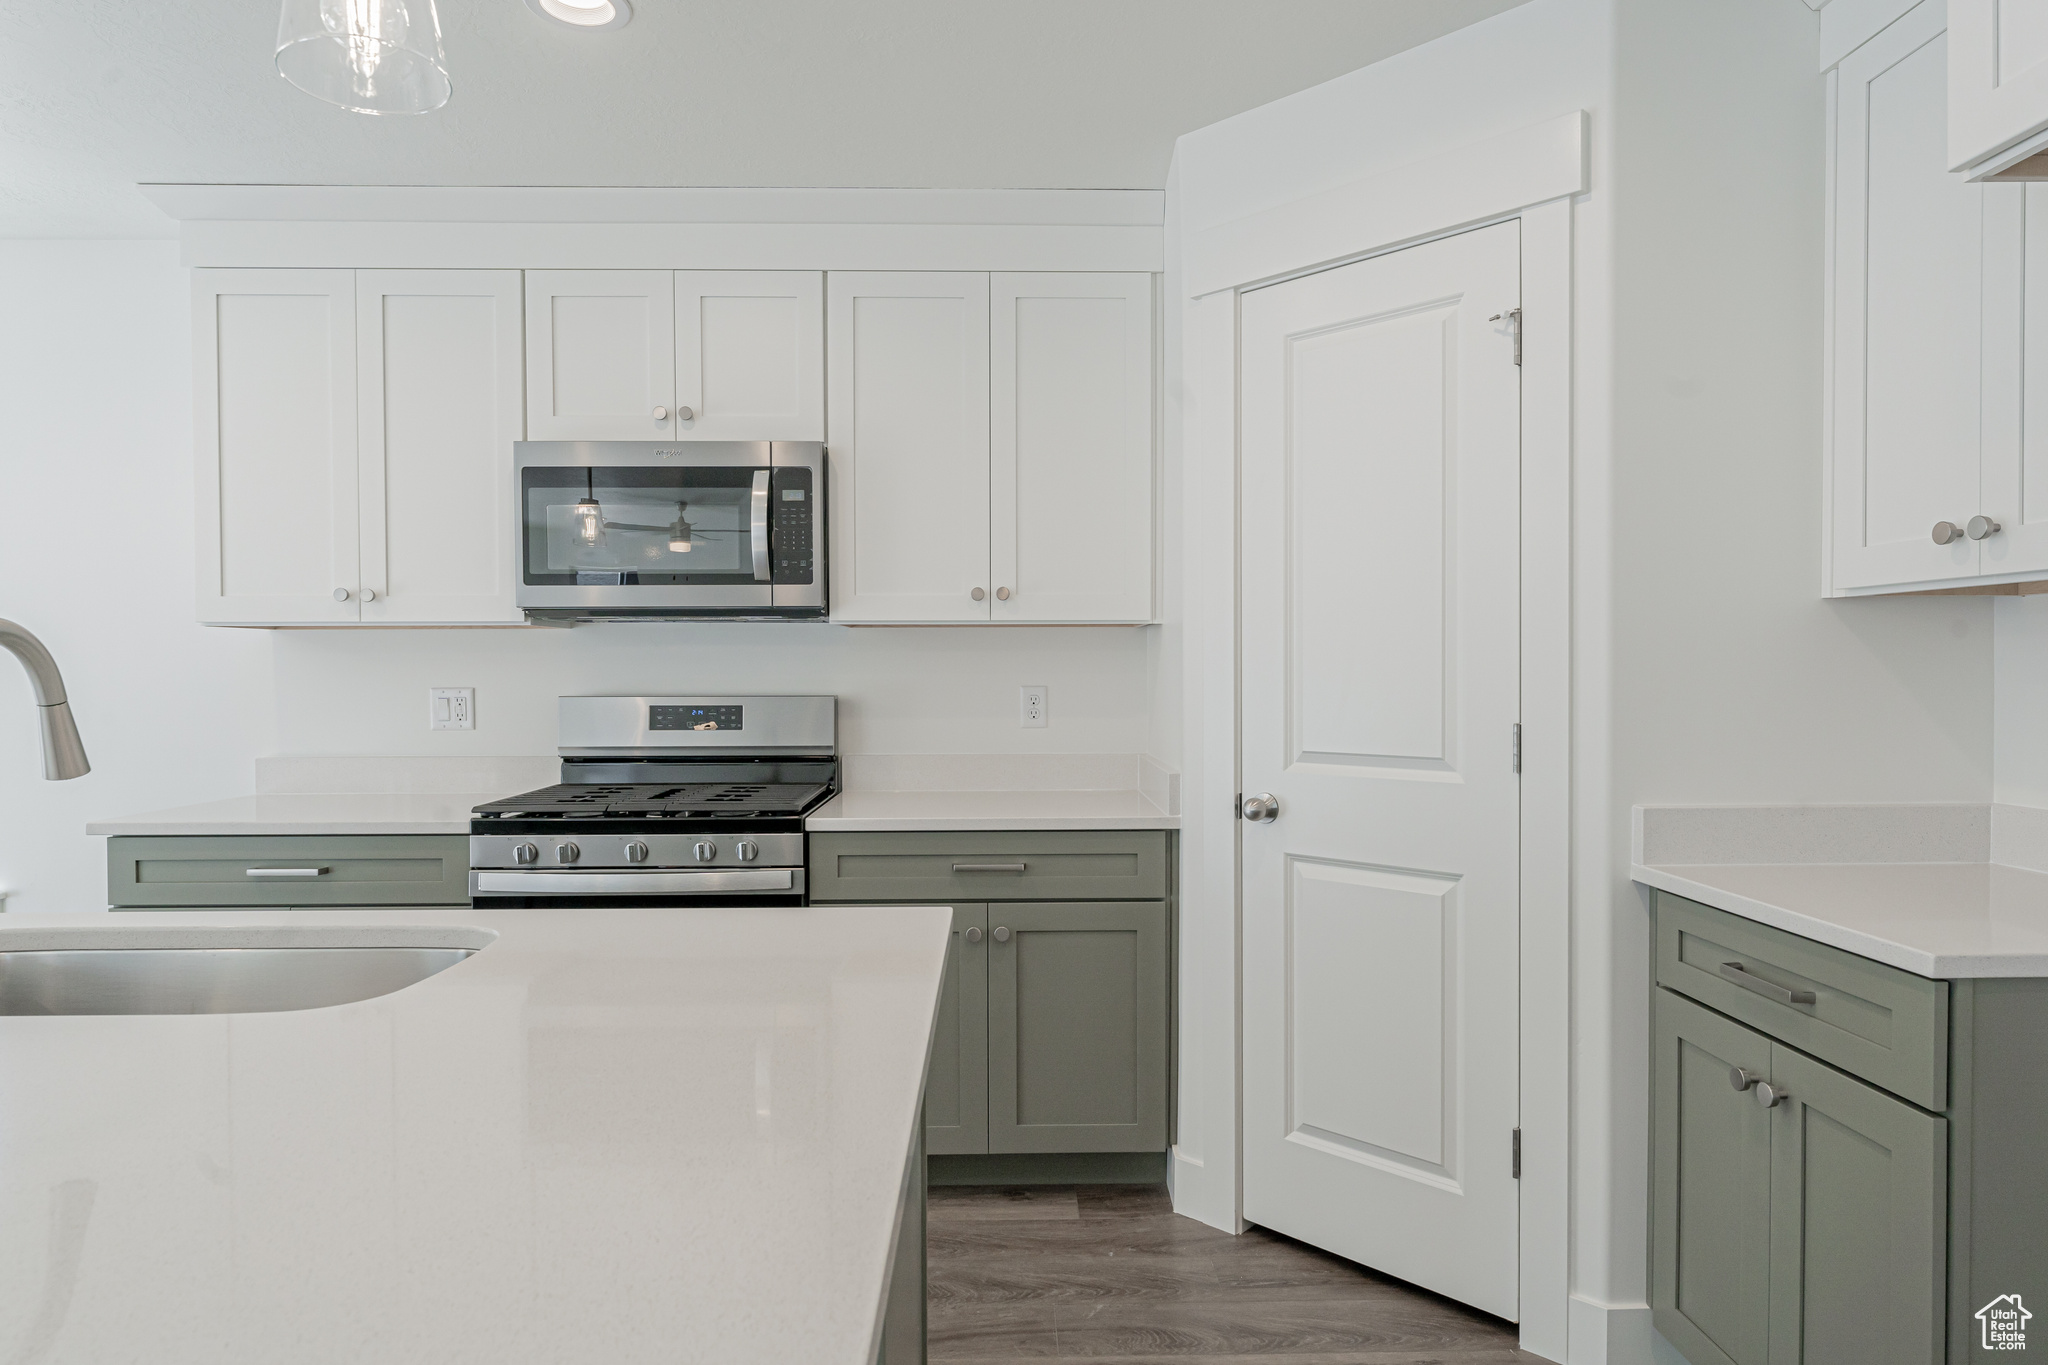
658	801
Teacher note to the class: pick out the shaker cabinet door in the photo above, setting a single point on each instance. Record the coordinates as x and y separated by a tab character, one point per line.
750	355
600	355
1859	1221
1071	447
956	1083
1077	1026
1710	1187
909	442
274	357
439	396
1997	82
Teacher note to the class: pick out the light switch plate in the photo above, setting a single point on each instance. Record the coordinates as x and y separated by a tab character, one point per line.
451	708
1031	706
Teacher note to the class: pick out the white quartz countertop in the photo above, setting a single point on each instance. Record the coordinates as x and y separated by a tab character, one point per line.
610	1135
310	813
984	810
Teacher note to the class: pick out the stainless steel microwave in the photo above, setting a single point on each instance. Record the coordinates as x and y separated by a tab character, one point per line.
653	530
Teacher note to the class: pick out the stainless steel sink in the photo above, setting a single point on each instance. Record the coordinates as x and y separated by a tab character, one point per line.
208	980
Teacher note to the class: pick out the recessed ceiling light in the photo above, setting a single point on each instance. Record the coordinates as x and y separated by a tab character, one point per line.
587	14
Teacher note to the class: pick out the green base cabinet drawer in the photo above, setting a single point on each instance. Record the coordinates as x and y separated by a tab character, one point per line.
279	871
944	868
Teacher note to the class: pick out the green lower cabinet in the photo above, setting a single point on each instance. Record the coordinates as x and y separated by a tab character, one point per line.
1077	1026
277	871
956	1086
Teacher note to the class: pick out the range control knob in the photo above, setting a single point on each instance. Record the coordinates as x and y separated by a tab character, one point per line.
705	852
746	850
567	853
525	853
636	852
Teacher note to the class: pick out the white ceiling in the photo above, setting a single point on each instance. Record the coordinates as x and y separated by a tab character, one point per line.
98	95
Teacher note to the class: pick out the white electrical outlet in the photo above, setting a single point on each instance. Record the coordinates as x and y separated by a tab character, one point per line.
1031	706
451	708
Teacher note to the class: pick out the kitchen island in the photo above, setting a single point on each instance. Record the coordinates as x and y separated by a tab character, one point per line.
607	1135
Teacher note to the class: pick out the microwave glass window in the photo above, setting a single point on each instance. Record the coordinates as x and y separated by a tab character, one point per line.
587	525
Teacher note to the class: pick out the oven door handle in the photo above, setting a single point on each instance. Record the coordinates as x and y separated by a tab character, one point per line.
759	523
489	883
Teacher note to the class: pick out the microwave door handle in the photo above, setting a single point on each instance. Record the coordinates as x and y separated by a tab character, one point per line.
760	525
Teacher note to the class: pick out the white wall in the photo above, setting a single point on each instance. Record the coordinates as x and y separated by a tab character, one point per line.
97	558
2019	742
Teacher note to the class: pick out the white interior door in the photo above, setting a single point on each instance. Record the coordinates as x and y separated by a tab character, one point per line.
600	355
275	405
1381	645
438	391
909	445
750	355
1071	452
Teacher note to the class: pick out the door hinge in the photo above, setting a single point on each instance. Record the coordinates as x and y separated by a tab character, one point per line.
1518	746
1518	1154
1237	806
1514	317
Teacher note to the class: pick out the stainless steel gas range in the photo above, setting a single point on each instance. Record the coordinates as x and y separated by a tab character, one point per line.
664	800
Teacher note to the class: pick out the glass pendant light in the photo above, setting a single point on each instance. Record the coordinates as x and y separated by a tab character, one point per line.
369	56
589	515
679	534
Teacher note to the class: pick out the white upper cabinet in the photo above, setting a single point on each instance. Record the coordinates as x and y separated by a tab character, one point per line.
750	355
909	446
438	395
1071	471
1997	84
600	355
274	356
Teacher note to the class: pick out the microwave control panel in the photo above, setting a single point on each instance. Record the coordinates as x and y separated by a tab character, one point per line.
792	538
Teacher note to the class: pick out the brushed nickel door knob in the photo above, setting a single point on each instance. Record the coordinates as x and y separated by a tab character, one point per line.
341	594
1740	1079
1769	1095
661	414
1002	594
684	414
1981	526
1262	809
978	594
1947	533
1001	934
973	934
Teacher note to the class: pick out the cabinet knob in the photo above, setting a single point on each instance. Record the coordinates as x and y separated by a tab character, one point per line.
973	934
636	852
1980	527
978	594
1002	594
1768	1095
1740	1079
341	594
685	415
1001	934
661	414
369	594
1947	533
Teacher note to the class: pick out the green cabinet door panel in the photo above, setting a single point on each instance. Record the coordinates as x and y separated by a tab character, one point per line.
1077	1026
1858	1221
309	871
1710	1188
956	1085
939	868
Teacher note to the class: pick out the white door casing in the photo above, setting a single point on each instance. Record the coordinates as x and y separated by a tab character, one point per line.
439	393
600	355
750	355
1071	449
909	445
1380	582
274	359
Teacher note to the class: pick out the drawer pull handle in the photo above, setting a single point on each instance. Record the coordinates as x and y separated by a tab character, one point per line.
1735	972
988	867
287	871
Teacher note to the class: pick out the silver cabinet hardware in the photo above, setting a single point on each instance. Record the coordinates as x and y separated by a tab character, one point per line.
1736	972
746	850
1768	1095
1947	533
1740	1078
704	852
1262	809
973	934
567	853
661	414
526	853
978	594
369	594
287	872
1001	934
684	414
1002	594
1980	527
988	867
758	522
1514	317
636	852
341	594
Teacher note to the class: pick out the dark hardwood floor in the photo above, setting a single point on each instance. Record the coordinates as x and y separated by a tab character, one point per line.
1111	1274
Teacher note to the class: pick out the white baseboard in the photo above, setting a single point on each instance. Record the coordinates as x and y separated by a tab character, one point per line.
1615	1334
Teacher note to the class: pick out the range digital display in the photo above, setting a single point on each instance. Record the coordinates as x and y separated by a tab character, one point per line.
696	717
